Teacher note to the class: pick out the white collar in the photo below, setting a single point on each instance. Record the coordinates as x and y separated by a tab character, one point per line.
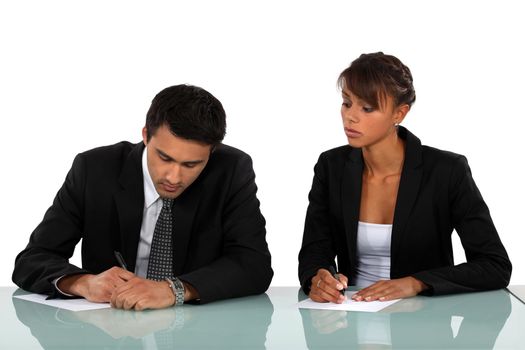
150	193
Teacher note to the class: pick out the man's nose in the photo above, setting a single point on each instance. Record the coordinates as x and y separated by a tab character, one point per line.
174	173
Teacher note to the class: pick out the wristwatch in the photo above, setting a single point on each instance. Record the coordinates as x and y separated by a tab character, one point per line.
177	287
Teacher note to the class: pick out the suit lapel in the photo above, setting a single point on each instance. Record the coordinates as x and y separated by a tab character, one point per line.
129	204
184	209
407	192
351	200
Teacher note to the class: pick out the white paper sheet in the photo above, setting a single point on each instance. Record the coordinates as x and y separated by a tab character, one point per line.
347	305
68	304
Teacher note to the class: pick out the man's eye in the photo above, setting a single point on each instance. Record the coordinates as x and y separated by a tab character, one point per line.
190	165
164	158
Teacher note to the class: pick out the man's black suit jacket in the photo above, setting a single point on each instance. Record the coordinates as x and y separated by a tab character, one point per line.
219	231
436	195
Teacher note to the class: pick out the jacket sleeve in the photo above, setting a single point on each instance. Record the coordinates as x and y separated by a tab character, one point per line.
317	247
53	242
244	265
488	265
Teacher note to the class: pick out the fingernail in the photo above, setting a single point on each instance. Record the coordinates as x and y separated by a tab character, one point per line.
382	298
339	286
368	298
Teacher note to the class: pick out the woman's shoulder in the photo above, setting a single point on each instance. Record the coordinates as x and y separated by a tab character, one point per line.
444	163
340	153
435	155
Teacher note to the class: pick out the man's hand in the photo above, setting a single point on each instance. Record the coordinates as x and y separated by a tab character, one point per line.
391	289
140	293
95	288
325	288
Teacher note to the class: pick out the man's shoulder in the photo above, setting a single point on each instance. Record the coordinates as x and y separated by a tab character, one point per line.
119	149
226	153
111	160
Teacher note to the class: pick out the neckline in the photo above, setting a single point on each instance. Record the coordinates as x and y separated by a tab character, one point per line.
364	223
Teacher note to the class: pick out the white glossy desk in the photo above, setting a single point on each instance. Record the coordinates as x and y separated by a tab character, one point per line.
489	320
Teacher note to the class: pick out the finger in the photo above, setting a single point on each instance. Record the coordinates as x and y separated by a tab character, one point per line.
363	293
330	282
118	297
129	302
125	300
141	305
123	287
126	275
115	302
324	296
330	288
343	279
378	291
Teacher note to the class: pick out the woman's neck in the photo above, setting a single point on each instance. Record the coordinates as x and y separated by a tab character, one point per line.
384	158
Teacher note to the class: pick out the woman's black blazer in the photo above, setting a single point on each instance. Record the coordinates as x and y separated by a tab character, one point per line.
436	195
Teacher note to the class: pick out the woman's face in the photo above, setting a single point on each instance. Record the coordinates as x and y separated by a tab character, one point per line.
365	126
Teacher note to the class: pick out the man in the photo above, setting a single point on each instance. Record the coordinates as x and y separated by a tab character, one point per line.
179	210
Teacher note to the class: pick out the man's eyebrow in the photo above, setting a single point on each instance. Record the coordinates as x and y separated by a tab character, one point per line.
194	162
163	154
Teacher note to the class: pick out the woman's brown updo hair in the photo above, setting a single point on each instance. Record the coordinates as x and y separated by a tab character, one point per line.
374	76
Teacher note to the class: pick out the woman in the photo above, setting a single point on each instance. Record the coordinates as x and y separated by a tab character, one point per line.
386	206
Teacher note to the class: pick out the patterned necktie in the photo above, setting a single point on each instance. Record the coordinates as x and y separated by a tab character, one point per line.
160	264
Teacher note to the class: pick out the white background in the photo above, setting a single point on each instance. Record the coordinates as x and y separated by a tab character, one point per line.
76	75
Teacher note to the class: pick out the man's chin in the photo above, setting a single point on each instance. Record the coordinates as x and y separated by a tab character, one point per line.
170	194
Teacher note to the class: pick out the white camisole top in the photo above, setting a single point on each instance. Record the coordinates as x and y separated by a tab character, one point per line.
373	253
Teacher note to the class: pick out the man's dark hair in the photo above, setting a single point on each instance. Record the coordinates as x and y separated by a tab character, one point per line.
190	112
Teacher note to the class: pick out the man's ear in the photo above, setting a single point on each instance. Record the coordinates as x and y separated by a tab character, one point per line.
145	136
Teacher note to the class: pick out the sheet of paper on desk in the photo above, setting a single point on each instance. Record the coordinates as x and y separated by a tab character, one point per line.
347	305
68	304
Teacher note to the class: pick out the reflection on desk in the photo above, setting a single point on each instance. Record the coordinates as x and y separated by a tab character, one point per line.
177	327
468	321
471	320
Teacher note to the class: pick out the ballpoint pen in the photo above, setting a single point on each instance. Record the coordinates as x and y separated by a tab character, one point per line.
336	276
120	260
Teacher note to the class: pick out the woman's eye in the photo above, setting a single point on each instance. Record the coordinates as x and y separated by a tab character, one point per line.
368	109
347	104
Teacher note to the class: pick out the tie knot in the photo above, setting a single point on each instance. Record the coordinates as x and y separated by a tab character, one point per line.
167	203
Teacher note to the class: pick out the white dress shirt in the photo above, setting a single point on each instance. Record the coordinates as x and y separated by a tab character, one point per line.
150	214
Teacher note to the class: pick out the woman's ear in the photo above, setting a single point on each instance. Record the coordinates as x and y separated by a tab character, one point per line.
400	113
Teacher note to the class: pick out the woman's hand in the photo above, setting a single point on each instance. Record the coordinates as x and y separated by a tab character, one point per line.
391	289
326	288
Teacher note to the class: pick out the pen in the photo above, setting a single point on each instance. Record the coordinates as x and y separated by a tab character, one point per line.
336	276
120	260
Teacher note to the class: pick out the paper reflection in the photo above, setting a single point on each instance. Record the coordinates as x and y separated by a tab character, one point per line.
471	320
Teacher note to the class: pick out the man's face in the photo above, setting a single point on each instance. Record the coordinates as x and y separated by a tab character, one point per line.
174	162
